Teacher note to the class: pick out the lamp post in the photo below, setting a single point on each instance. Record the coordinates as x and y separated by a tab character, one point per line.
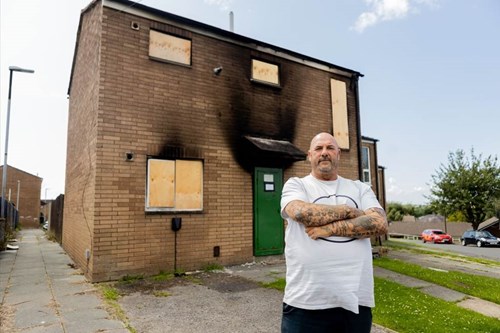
12	69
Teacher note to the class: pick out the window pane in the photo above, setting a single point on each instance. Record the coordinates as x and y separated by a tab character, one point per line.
189	182
365	160
366	176
161	183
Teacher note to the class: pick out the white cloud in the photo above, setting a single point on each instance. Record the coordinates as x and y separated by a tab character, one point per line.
405	193
223	4
393	187
389	10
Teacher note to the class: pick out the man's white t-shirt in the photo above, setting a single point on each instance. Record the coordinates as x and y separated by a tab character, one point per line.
322	274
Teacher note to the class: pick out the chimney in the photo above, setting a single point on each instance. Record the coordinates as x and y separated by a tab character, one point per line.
231	21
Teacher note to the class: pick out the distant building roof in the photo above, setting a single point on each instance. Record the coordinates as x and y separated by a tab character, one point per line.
489	223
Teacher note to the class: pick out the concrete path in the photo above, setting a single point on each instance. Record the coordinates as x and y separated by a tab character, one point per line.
40	291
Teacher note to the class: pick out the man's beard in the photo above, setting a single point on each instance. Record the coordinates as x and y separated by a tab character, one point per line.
326	168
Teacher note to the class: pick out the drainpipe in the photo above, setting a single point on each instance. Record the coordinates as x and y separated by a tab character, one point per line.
354	81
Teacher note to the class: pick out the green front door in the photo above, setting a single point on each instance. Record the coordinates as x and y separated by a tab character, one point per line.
268	224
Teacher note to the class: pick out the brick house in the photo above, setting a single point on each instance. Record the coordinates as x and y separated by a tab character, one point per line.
23	189
372	173
172	120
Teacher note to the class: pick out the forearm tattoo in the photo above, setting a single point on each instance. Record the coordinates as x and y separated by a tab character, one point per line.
315	215
373	223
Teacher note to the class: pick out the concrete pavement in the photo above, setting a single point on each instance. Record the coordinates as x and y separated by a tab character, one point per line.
41	291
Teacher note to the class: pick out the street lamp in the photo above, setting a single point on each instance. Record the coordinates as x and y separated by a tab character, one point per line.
4	176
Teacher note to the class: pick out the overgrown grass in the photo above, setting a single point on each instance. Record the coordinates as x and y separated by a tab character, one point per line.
407	310
212	267
109	292
132	278
111	296
484	287
278	284
162	276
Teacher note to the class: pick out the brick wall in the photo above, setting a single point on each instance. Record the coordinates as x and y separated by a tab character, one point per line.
79	203
121	101
29	195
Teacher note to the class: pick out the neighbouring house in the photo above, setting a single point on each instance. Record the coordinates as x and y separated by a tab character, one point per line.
372	173
180	136
23	190
492	225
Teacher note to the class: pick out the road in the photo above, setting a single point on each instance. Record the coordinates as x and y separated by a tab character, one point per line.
491	253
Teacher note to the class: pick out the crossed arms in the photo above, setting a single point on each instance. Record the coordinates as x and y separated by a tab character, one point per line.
339	220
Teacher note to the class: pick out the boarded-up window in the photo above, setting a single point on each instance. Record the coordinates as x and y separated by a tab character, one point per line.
174	185
265	72
170	48
339	113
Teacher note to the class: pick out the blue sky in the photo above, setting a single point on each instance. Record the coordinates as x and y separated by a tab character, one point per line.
431	84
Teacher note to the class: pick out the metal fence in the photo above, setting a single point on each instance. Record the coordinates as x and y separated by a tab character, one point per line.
8	222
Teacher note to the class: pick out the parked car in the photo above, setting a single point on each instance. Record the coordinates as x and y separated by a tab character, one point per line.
480	238
436	236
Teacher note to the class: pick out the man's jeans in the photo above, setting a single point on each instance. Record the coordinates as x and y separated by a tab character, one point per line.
335	320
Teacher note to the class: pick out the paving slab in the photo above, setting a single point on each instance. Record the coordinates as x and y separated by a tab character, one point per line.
40	291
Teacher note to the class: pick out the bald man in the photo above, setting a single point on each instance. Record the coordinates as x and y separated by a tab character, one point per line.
329	278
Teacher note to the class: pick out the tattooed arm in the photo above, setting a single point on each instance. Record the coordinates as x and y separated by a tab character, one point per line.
373	223
315	215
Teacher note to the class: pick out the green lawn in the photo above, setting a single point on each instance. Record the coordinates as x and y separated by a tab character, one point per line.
484	287
408	310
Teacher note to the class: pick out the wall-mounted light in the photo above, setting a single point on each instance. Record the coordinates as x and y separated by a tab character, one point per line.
218	70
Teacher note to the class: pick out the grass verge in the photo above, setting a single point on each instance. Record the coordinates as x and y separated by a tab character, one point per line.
475	285
407	310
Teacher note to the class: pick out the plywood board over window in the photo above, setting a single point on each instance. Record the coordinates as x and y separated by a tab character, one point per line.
169	48
265	72
161	183
174	185
339	113
188	180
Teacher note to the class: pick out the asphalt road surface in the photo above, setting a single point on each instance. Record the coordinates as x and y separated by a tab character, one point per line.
491	253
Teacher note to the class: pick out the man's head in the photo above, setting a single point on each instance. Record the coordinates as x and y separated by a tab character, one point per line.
324	155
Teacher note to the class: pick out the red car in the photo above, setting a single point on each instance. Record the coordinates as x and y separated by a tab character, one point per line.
436	236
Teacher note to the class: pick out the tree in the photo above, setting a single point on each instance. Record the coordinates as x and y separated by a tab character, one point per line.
466	185
396	210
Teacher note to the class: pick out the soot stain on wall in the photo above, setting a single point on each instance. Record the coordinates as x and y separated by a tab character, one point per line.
274	119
